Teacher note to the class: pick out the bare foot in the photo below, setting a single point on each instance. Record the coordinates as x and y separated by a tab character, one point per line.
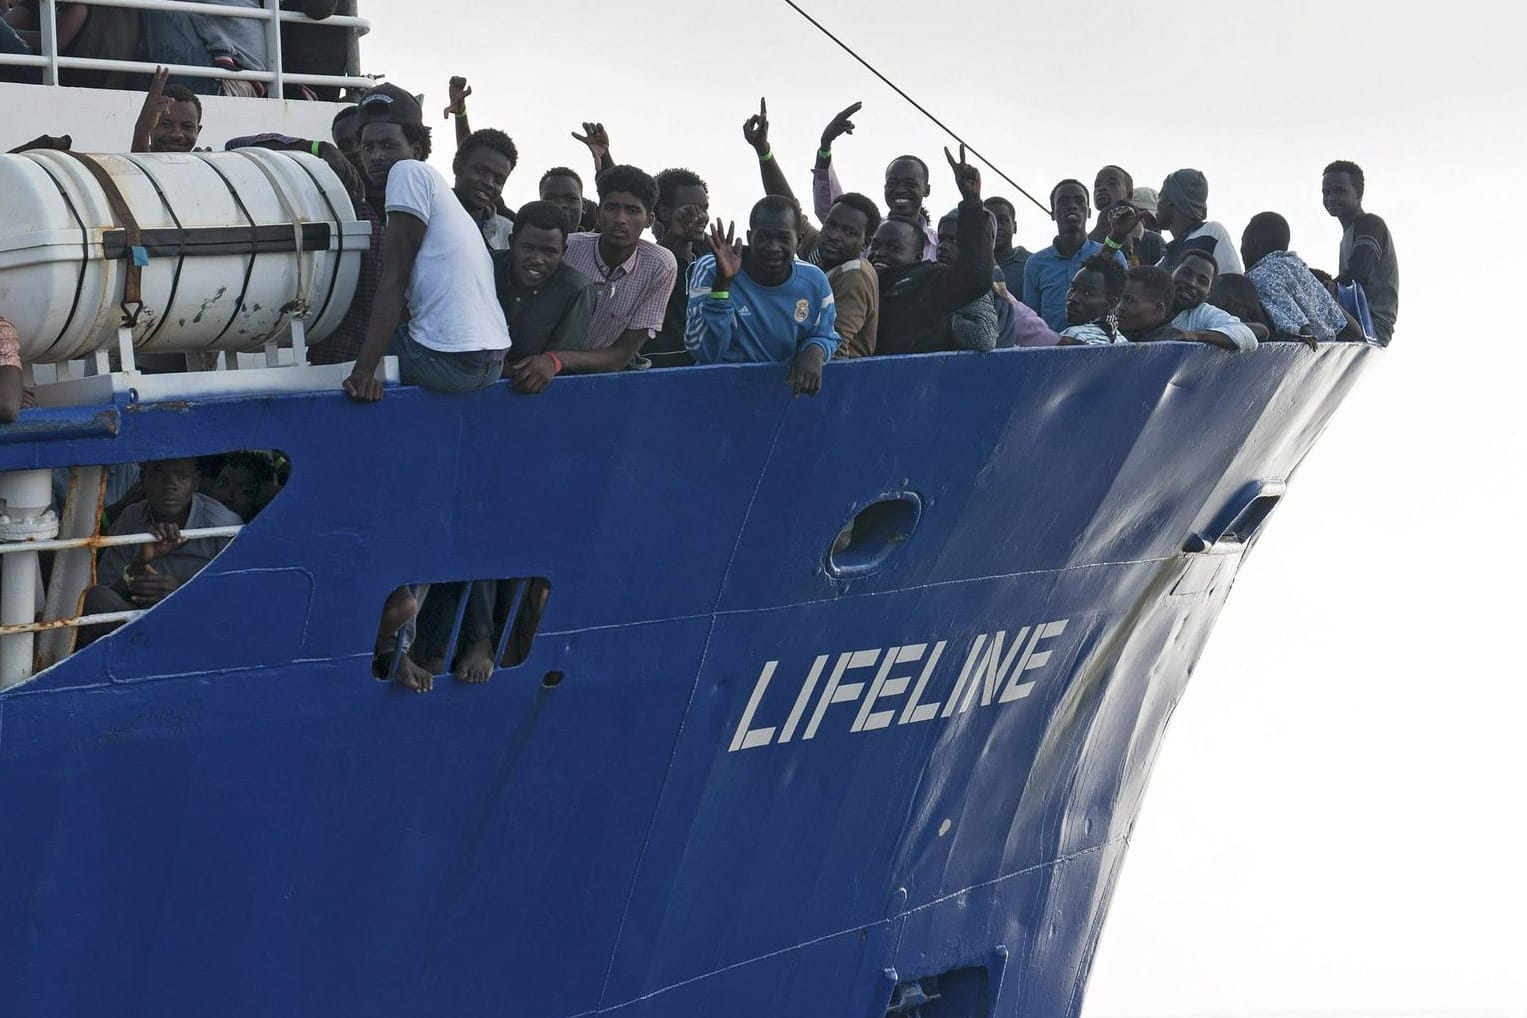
475	664
411	676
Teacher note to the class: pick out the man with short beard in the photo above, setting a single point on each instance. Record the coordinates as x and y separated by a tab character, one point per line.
760	303
1199	321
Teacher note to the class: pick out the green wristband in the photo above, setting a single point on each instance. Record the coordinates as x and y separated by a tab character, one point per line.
314	148
766	156
721	294
1112	244
825	153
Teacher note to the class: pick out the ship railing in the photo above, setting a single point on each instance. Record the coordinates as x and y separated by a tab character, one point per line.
18	588
51	61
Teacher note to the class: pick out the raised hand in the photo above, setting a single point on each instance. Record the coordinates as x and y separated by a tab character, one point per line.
1122	222
840	125
966	177
457	92
168	539
727	247
596	138
688	221
756	129
155	105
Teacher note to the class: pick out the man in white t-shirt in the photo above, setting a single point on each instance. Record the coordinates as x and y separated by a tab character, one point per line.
433	260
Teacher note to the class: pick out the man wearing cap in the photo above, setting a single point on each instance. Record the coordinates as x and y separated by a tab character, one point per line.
433	260
1184	213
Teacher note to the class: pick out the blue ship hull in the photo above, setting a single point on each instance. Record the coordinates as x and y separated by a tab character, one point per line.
216	810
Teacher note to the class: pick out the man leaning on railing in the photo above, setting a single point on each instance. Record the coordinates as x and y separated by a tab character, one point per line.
132	578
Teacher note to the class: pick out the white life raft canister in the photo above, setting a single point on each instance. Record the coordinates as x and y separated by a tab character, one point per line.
222	250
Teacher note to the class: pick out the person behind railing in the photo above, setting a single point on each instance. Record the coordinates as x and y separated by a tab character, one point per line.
1296	305
917	297
307	48
140	576
1112	188
102	33
1047	274
170	119
345	129
1183	211
482	166
1011	256
562	186
1145	306
836	248
1092	303
206	40
1367	249
12	389
546	301
759	303
679	221
907	185
433	260
633	277
1200	321
245	483
1011	322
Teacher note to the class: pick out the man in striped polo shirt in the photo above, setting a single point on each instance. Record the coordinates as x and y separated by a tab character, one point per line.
632	277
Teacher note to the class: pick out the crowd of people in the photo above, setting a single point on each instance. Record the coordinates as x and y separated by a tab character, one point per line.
465	292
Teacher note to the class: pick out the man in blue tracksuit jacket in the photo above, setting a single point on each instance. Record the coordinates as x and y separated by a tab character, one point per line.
760	303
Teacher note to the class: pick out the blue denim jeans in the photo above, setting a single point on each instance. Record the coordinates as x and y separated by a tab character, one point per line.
441	371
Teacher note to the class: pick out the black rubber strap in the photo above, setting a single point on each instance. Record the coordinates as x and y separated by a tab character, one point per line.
132	291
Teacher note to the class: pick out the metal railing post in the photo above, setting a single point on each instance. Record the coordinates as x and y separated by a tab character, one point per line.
273	46
47	24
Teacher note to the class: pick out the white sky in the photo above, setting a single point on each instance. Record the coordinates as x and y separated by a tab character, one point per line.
1335	822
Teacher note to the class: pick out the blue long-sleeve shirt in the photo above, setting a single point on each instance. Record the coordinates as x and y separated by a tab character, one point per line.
1047	277
759	323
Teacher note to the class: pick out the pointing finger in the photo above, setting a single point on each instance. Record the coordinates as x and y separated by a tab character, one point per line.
763	107
855	108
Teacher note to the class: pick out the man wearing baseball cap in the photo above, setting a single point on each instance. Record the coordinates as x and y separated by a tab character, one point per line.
1184	213
433	262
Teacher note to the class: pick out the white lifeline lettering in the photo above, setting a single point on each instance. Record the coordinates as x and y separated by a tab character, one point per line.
803	699
1031	659
745	738
837	691
883	686
914	711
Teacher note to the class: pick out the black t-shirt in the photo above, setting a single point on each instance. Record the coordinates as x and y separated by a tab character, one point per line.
552	317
